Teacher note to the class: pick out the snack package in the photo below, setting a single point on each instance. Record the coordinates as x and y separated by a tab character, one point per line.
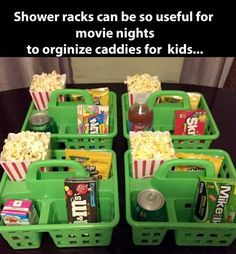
194	99
215	160
93	119
190	122
141	83
100	96
215	200
149	150
97	163
81	200
19	212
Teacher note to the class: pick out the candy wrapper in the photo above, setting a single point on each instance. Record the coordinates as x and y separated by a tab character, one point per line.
193	97
42	86
97	163
215	160
141	83
21	149
149	150
215	200
100	96
93	119
190	122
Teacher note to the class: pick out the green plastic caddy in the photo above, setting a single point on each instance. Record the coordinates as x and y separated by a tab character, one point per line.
64	114
179	190
46	190
164	119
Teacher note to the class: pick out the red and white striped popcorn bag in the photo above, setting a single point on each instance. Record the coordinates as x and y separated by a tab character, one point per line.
41	98
17	170
145	168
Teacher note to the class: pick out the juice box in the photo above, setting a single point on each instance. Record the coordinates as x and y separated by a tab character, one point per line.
81	200
19	212
216	200
190	122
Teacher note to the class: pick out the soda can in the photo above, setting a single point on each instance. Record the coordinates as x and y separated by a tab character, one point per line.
150	206
42	122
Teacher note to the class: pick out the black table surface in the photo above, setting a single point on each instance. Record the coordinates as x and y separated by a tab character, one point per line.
13	108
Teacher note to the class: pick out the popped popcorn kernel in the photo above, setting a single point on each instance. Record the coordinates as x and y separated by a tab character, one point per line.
142	83
26	146
151	145
48	82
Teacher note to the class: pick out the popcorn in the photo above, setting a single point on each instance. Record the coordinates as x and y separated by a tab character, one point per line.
151	145
143	83
26	146
43	85
48	82
149	150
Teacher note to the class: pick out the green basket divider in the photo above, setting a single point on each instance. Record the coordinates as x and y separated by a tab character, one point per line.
164	113
179	190
66	111
46	190
164	120
51	184
65	116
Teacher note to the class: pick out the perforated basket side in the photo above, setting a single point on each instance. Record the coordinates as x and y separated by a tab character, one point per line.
23	239
205	237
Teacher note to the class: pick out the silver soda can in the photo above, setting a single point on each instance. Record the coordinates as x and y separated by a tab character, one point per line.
42	122
150	206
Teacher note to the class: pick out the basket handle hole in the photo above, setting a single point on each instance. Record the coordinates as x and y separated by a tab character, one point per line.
222	241
72	235
213	235
85	235
188	205
59	236
85	242
200	234
15	238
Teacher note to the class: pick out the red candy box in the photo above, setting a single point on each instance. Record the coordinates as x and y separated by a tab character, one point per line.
190	122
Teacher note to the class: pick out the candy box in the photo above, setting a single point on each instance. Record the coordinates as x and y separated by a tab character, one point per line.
19	212
215	200
93	119
21	149
42	86
190	122
81	200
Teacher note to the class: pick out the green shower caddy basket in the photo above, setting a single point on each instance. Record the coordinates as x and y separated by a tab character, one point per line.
65	115
178	189
164	114
46	190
